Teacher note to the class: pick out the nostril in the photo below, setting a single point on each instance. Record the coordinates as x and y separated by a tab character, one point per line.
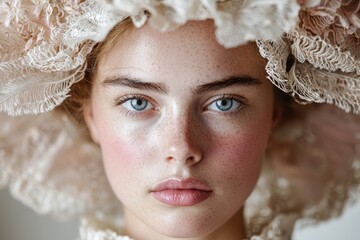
190	159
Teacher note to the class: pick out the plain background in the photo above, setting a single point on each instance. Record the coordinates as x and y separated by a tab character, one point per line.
18	222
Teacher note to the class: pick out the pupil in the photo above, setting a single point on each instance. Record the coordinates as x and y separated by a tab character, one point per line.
224	104
139	102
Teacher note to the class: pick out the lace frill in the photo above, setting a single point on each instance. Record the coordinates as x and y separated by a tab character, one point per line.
319	73
50	42
307	180
319	61
50	167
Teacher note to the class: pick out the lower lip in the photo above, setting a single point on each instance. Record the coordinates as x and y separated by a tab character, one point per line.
181	197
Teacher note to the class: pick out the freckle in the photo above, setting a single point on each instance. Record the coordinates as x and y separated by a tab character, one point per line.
140	164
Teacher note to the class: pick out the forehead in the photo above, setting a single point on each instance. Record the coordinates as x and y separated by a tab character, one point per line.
189	52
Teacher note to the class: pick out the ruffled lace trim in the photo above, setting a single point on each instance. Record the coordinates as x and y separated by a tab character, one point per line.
277	55
308	180
91	229
324	50
333	88
51	42
23	87
321	54
334	20
320	72
50	167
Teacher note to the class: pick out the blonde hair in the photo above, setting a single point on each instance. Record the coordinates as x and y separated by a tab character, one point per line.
80	93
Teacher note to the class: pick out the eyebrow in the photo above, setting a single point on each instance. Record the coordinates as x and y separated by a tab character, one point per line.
237	80
134	83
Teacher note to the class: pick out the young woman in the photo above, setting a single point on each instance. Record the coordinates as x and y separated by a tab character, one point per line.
184	127
182	134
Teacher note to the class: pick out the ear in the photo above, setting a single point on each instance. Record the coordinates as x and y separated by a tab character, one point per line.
91	122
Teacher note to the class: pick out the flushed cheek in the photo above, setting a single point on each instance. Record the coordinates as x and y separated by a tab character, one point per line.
121	147
123	161
239	160
119	154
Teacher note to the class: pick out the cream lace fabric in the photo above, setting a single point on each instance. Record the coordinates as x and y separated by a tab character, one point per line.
313	53
50	168
324	50
321	73
44	44
50	42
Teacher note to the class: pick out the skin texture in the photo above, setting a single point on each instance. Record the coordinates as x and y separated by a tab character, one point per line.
181	133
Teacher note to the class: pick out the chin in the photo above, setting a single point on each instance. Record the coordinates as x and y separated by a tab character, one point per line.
181	231
185	225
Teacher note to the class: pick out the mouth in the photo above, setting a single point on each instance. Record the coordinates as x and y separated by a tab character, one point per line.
187	192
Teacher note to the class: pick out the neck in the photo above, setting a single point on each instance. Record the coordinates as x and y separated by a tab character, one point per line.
233	229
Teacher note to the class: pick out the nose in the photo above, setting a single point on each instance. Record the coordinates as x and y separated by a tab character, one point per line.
181	140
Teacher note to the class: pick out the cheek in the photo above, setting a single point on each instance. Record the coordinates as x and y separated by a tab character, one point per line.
240	154
118	154
123	161
239	157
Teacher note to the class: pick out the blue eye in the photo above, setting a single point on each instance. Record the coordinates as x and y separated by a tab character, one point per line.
136	104
224	105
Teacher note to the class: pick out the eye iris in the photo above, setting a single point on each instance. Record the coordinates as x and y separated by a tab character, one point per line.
138	104
224	104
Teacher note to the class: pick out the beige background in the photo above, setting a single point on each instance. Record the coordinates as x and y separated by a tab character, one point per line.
18	222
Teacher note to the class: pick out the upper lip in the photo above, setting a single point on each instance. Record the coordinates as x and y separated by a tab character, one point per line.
181	184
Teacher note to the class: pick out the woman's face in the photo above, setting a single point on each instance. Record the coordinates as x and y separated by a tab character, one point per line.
183	125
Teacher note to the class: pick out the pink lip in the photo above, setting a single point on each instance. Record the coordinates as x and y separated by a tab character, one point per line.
175	192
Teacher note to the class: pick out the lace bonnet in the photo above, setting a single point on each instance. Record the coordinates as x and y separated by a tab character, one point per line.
312	51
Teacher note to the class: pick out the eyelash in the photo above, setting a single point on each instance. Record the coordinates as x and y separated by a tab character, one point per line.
121	100
243	103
